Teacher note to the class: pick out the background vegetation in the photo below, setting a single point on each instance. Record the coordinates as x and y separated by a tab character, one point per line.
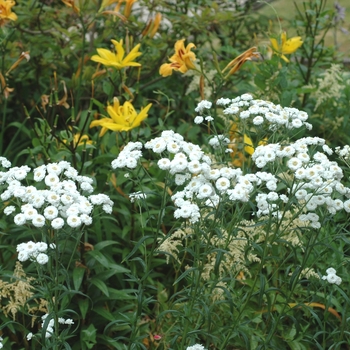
142	274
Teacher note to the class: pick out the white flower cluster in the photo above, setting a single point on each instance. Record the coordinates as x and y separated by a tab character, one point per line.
62	200
203	182
316	179
136	196
264	112
49	329
332	277
343	152
219	141
1	344
313	179
202	105
129	156
34	252
196	347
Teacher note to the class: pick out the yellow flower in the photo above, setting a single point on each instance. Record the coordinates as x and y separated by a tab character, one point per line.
71	3
80	140
286	47
117	60
5	12
182	60
122	118
237	63
128	6
237	155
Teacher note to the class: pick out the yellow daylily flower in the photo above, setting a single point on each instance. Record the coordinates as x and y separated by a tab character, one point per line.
286	47
122	118
182	60
5	12
117	60
236	138
79	139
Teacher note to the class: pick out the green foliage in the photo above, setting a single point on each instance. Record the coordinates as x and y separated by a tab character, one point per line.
142	274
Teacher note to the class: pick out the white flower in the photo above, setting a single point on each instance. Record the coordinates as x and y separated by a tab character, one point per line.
194	166
50	212
107	208
258	120
69	321
198	120
38	200
9	210
42	258
66	199
54	168
180	179
204	104
173	147
178	165
20	219
52	197
205	191
223	101
41	247
86	219
164	163
51	179
29	336
23	256
294	163
137	195
29	212
57	223
331	270
39	173
222	184
196	347
332	277
159	146
73	221
38	220
85	186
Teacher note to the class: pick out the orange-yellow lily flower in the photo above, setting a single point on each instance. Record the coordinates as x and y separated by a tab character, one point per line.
5	12
122	118
117	60
237	63
182	60
286	47
128	7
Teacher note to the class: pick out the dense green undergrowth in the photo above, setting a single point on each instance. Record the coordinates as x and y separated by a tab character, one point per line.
174	175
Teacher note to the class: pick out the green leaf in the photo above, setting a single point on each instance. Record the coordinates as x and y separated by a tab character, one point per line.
84	307
78	275
100	285
88	336
104	313
103	244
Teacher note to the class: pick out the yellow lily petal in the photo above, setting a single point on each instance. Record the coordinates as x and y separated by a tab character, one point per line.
122	118
166	69
248	144
117	59
286	47
181	61
142	115
292	44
